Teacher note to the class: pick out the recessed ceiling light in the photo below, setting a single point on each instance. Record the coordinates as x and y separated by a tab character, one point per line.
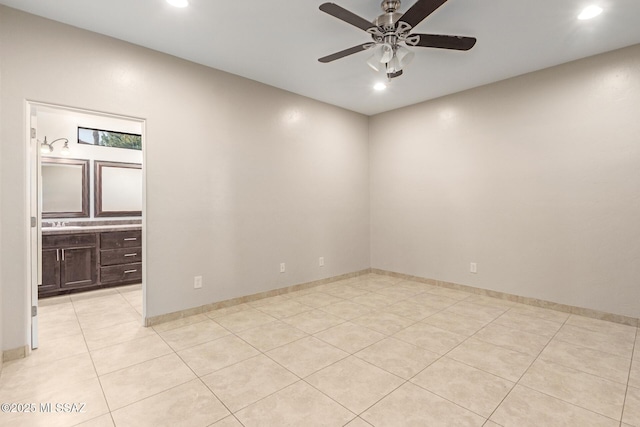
379	86
178	3
590	12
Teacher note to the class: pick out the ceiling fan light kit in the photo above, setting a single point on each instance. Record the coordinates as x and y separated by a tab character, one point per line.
391	34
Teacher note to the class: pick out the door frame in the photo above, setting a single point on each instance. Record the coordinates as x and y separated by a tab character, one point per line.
34	202
34	259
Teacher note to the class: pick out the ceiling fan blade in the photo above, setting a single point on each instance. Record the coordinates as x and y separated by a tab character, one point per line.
346	16
345	52
445	42
420	10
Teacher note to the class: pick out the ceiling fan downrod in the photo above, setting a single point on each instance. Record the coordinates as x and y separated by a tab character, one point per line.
388	33
387	21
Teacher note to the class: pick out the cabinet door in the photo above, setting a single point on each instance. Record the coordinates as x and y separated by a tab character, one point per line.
50	270
79	267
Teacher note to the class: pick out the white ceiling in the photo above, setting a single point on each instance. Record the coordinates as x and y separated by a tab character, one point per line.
278	42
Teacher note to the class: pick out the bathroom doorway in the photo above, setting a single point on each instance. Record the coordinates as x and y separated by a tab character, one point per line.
87	214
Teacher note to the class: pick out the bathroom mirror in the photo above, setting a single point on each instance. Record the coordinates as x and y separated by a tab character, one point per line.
65	188
118	189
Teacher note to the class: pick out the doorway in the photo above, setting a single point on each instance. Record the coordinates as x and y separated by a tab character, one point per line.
87	207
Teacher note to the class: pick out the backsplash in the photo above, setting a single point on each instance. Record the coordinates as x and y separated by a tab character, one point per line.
68	223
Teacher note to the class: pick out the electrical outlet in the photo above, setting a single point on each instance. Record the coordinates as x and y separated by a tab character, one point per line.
321	261
197	282
282	267
473	268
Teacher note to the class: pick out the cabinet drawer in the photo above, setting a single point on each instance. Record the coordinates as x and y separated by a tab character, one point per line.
120	239
121	273
120	256
68	240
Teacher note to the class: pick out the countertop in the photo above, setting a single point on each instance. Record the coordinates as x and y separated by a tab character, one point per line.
75	229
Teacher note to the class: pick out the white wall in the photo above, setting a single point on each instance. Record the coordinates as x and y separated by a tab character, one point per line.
1	216
57	123
240	176
536	179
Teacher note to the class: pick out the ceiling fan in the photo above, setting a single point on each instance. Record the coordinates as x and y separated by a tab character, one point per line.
391	31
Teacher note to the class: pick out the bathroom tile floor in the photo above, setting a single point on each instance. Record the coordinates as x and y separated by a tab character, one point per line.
367	351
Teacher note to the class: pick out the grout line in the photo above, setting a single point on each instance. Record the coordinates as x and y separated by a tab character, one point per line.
177	385
261	353
303	379
626	392
527	370
125	301
377	311
568	403
474	367
445	355
104	396
406	381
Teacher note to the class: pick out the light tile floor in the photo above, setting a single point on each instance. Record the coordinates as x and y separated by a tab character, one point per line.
368	351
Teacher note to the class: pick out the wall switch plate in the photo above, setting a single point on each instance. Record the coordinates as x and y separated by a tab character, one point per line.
321	261
282	268
473	268
197	282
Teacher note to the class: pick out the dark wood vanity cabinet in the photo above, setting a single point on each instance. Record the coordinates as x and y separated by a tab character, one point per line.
50	271
69	261
86	260
121	257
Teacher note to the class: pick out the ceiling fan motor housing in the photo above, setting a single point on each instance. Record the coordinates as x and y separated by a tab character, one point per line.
387	21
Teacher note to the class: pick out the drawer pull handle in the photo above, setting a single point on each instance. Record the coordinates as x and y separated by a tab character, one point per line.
130	238
130	254
130	271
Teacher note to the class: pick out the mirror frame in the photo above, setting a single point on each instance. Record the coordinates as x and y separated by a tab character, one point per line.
98	165
84	163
